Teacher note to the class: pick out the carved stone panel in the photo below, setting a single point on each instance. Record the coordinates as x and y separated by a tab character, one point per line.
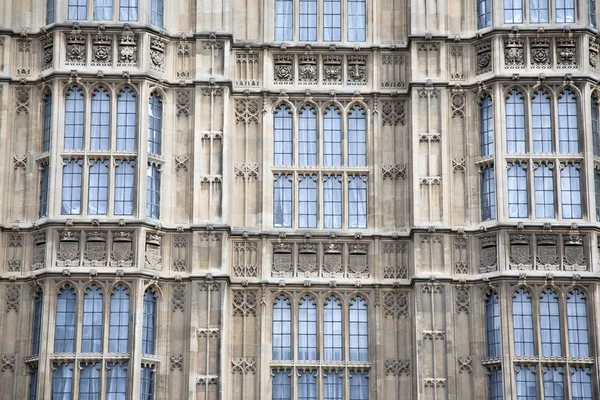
540	52
308	263
308	71
128	50
566	53
157	54
393	71
153	255
68	254
14	252
358	261
48	51
488	254
179	251
357	70
102	50
520	252
395	257
247	69
245	259
283	68
594	51
457	63
574	256
95	250
38	260
514	53
547	253
121	254
332	70
393	112
332	261
283	266
484	57
76	47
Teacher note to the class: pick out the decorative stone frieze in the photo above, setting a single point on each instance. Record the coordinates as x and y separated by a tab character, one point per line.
283	267
520	252
247	111
68	254
566	53
95	250
157	53
393	71
547	253
397	367
128	51
102	49
393	171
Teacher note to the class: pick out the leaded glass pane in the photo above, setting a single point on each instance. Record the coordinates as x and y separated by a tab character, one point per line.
62	381
50	7
357	138
523	323
33	383
486	127
118	335
550	324
155	125
577	324
307	385
495	391
567	123
102	10
91	332
484	13
565	11
283	146
157	13
518	203
358	332
553	383
47	123
357	202
152	192
128	10
570	190
282	329
284	18
332	330
74	119
488	194
100	121
332	20
116	381
332	137
515	123
332	385
98	187
282	385
36	335
149	323
595	127
64	333
308	20
357	20
147	383
282	201
581	383
541	123
526	384
539	11
597	193
592	13
307	329
544	190
89	381
44	180
307	137
492	325
126	120
124	187
77	9
332	201
513	11
307	201
359	385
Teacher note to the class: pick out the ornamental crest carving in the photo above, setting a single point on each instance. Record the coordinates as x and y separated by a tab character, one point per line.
153	257
488	254
484	57
357	70
574	258
514	53
39	256
68	249
547	254
566	53
157	53
76	47
307	260
282	260
520	253
307	69
332	261
95	253
594	53
122	255
540	52
48	49
284	68
127	48
332	69
102	49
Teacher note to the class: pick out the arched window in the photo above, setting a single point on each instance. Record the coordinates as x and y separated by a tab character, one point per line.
568	136
307	201
118	336
359	330
155	125
282	201
74	119
526	383
307	137
100	128
359	385
495	390
332	330
307	385
126	120
486	126
332	385
357	20
157	13
541	123
357	137
36	326
282	329
518	199
307	329
284	17
64	334
550	324
308	20
332	201
71	187
62	380
47	123
283	146
577	324
492	325
116	383
515	123
98	187
89	381
149	323
44	182
91	341
544	190
523	323
332	137
124	187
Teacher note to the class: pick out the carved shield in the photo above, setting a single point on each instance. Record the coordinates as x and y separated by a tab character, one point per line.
39	254
68	251
520	254
488	256
574	255
332	263
121	251
95	251
307	263
282	264
547	255
358	264
153	257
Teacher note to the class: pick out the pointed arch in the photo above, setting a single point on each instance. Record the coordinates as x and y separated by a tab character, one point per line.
332	329
358	323
93	310
307	328
550	322
283	137
74	118
66	307
357	135
522	310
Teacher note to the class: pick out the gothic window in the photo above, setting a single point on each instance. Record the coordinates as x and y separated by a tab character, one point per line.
358	332
44	180
332	202
307	385
357	138
71	187
307	201
155	125
64	334
77	9
332	330
62	381
550	324
89	381
357	17
567	123
332	386
153	191
47	122
522	323
539	11
332	20
488	194
570	183
494	386
282	201
597	192
357	202
517	190
284	10
307	334
149	323
553	383
33	383
116	383
486	126
50	7
492	325
581	383
102	10
126	120
544	190
157	13
595	127
282	385
147	383
124	187
98	187
577	324
74	119
332	137
526	386
99	133
541	120
565	11
128	10
283	136
118	336
308	20
307	137
515	123
36	335
359	386
282	329
513	11
91	341
484	13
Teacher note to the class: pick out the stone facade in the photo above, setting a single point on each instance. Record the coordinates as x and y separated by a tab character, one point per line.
204	241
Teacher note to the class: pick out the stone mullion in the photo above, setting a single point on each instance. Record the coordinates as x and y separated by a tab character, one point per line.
499	151
134	370
564	336
586	147
46	340
196	169
142	146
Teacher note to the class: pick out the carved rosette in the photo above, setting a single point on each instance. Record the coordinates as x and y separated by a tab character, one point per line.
102	50
484	57
48	51
283	69
540	52
157	53
332	70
